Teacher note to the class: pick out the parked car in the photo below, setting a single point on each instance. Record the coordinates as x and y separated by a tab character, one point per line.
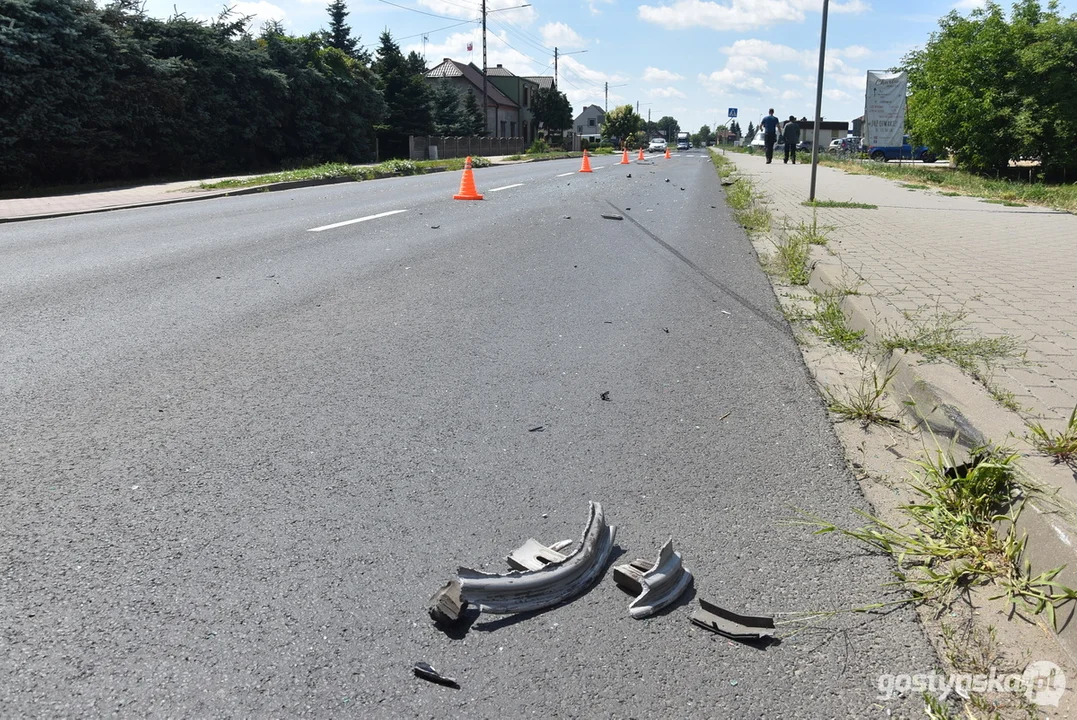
657	145
905	151
805	146
849	144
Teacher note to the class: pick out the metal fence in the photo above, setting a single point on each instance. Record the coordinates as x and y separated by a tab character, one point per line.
423	147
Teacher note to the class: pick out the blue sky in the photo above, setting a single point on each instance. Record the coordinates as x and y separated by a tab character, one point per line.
691	59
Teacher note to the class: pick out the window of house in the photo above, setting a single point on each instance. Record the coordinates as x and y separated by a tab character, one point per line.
591	122
512	132
503	124
579	128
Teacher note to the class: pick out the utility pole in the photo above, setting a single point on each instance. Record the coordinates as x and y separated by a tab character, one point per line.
818	104
485	112
554	65
607	105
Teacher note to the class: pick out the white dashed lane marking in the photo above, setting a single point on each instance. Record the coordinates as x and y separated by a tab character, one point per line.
356	220
506	187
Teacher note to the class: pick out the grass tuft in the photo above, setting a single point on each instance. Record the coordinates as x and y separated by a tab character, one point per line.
913	186
790	260
961	532
830	324
839	204
864	403
1061	445
343	170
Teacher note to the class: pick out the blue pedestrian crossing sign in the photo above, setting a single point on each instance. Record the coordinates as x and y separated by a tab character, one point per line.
732	112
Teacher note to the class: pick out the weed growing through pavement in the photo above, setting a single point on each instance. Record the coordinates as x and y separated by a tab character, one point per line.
913	186
830	323
813	234
790	260
1061	445
961	532
943	336
1005	398
839	204
950	194
864	403
1006	203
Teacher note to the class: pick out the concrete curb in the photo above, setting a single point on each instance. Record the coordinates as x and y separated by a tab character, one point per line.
209	195
939	398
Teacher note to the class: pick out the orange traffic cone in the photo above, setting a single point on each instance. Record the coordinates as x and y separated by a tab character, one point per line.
641	153
624	158
667	152
586	167
467	184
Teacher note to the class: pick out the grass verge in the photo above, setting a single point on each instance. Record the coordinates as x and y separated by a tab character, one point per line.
1059	197
343	170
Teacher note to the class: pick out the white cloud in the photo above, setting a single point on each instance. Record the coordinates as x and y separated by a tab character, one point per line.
788	77
737	15
968	4
560	35
259	11
836	95
666	92
791	95
853	52
654	75
581	74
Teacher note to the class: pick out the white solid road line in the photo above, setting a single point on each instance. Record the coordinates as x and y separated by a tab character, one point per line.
567	174
507	187
356	220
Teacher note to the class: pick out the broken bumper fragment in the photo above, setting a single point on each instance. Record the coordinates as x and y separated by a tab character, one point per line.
732	625
554	584
656	585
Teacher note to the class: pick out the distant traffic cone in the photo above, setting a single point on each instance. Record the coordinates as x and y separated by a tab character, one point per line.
667	152
467	184
586	167
640	153
624	158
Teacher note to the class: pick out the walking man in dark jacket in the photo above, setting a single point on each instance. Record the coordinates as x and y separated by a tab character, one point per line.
791	133
770	134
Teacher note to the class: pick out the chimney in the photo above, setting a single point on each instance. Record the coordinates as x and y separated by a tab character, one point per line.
499	64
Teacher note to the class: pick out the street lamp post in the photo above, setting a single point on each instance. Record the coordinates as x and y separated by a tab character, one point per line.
607	108
818	104
557	54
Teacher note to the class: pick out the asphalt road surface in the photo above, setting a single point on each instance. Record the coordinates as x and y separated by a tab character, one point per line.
243	443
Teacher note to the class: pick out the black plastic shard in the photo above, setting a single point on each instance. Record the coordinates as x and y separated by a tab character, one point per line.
427	672
732	625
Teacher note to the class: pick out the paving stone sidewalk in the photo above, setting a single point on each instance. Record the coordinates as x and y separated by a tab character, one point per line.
1011	269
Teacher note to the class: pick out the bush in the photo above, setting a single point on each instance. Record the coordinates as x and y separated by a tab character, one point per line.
605	143
477	161
585	144
539	146
403	167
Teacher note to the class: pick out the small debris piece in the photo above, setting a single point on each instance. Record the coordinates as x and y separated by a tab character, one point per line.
726	312
682	188
726	415
713	206
533	555
427	672
605	396
732	625
726	183
628	209
628	576
540	428
434	227
612	216
628	175
446	605
665	330
667	179
566	217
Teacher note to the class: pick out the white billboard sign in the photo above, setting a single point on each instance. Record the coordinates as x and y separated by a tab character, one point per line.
884	108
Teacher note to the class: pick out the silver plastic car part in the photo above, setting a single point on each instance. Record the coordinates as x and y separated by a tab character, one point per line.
517	592
662	584
533	555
